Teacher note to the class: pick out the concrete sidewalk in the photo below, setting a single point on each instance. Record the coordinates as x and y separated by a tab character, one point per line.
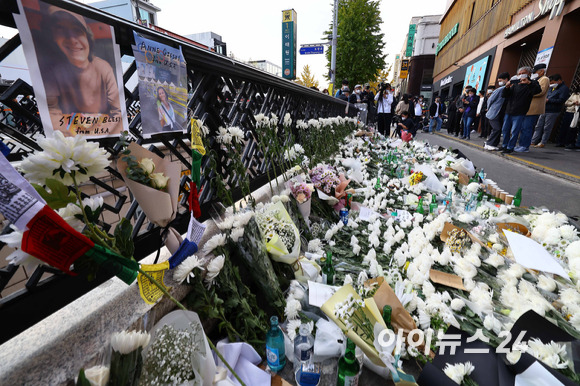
550	159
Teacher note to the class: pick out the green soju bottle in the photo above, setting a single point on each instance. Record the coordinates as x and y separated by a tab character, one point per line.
387	312
420	206
518	198
433	205
328	270
275	350
348	366
378	184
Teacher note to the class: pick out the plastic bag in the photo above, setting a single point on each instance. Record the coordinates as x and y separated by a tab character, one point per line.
464	166
329	341
203	363
431	182
275	247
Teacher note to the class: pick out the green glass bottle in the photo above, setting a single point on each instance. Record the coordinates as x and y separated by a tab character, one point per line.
433	205
518	198
378	184
348	201
348	366
387	313
420	206
328	270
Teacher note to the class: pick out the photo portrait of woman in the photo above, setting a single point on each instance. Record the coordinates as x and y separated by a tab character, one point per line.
77	69
165	110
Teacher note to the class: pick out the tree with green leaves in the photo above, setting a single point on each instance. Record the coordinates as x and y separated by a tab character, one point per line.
359	53
307	78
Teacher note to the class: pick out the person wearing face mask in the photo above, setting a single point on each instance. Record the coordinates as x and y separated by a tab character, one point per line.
480	111
341	90
470	103
537	108
518	92
495	112
436	112
557	95
384	100
570	121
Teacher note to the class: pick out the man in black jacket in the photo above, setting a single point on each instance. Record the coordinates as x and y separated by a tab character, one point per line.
436	110
557	95
519	93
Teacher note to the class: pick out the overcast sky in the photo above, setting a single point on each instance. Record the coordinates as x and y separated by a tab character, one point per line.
252	29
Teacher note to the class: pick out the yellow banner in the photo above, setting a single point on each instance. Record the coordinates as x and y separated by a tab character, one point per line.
149	290
196	141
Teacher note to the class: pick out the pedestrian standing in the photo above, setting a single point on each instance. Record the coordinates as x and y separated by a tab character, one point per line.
572	110
470	104
485	128
518	92
418	110
557	95
436	111
496	106
341	90
384	100
403	105
537	108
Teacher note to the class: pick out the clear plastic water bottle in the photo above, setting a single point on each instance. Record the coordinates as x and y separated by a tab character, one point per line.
307	373
275	351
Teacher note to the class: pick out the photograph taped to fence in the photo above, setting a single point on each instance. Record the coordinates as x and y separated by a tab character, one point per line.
75	68
162	86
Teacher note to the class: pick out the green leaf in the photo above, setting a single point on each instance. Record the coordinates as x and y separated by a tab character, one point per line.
123	240
59	195
82	380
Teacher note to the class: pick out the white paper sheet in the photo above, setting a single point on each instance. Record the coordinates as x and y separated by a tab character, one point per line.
532	255
195	230
319	293
365	213
536	375
403	215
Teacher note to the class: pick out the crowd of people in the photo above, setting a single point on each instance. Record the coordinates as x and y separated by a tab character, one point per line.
385	110
519	112
516	113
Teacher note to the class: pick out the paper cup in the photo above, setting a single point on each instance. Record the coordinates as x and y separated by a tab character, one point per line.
503	195
509	199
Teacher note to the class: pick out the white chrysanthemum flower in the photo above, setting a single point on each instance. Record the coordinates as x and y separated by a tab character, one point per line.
237	234
573	250
184	271
214	268
514	356
224	136
216	241
293	307
236	133
125	342
546	283
495	260
287	119
347	279
64	156
226	224
362	278
19	257
97	375
457	304
241	219
71	214
291	327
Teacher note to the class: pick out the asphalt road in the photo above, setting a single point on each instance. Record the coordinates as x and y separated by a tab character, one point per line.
539	188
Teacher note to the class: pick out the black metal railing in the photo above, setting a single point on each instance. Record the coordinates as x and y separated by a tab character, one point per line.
223	92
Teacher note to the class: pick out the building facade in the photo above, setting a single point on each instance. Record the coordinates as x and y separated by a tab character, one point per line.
211	40
479	40
138	11
418	54
267	66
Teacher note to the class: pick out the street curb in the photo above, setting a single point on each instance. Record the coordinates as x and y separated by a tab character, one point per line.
540	168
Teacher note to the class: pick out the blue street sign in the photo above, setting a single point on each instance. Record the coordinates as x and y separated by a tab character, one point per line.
312	50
